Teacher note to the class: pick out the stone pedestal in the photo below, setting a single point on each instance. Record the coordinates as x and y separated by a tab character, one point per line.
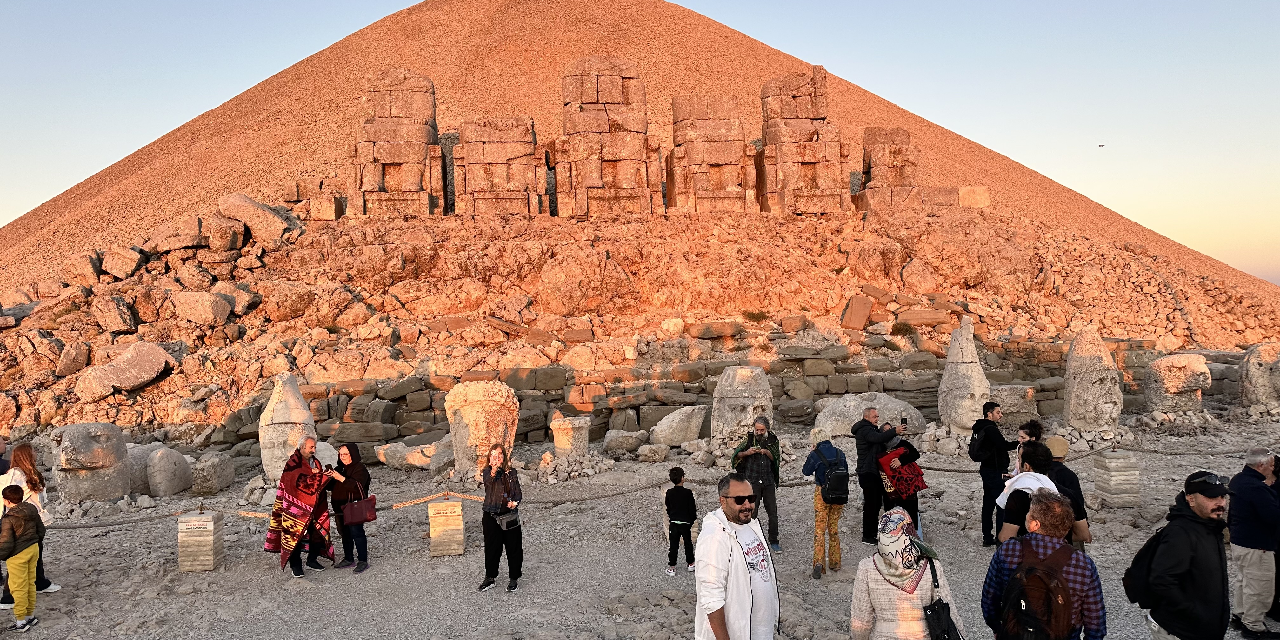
200	541
447	535
1116	479
571	435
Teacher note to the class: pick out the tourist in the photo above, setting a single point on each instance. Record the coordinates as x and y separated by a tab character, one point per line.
988	447
824	458
1029	432
24	473
300	516
1188	575
757	459
905	478
870	439
1068	484
21	532
682	511
736	586
501	520
1004	605
1015	500
1253	518
350	484
895	584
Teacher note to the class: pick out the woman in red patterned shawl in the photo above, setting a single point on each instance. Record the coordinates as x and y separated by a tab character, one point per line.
300	517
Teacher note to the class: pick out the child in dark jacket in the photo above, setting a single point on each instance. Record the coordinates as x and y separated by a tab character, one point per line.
682	511
21	532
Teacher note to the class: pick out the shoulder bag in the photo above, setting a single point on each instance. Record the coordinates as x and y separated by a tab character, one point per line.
937	614
510	519
362	510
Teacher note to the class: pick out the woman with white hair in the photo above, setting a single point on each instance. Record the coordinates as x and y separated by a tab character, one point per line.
826	461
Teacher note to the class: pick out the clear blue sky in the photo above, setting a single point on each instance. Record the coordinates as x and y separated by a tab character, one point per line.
1185	95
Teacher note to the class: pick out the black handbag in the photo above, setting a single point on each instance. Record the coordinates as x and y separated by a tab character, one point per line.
937	614
508	520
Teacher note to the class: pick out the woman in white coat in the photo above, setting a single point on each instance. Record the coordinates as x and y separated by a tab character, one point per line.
24	473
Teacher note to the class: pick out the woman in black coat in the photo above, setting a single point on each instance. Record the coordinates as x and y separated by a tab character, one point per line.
501	521
350	483
910	503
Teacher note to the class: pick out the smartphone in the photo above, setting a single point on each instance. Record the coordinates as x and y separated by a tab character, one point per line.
904	421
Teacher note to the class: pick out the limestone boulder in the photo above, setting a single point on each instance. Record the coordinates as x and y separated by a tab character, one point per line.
1177	382
1017	401
91	462
265	224
741	395
652	453
570	435
326	454
481	414
838	417
113	314
1260	374
964	387
201	307
681	426
75	356
212	473
616	441
141	363
139	482
168	472
1092	397
399	456
283	423
121	262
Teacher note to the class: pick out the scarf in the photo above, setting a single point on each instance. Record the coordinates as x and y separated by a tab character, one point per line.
299	506
1027	481
901	558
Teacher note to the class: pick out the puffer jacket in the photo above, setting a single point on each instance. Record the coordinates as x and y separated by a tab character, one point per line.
722	578
20	528
1189	576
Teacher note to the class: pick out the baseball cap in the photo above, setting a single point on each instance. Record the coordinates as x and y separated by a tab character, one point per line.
1057	446
1206	483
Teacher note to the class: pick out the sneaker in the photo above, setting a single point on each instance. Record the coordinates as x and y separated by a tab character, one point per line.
486	585
775	547
817	572
297	573
671	571
835	567
346	562
990	542
6	605
25	625
690	568
512	586
314	566
870	541
361	566
52	588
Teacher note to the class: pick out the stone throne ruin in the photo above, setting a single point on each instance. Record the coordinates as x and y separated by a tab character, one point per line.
606	163
712	167
499	169
803	167
399	170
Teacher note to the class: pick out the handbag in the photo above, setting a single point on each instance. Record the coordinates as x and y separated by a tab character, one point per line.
360	511
508	520
937	614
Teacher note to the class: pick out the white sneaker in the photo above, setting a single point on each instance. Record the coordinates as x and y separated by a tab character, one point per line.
671	571
52	588
690	568
6	606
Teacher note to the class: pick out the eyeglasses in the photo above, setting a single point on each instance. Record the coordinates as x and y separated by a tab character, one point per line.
739	500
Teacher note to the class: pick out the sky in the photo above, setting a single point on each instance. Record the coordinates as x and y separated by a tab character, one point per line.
1166	112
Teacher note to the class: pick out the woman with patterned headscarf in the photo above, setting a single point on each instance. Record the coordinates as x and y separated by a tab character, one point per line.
894	586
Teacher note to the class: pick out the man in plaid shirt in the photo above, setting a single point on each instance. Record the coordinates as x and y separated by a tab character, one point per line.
1048	522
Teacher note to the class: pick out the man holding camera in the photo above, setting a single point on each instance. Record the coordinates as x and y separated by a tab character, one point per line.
871	439
757	460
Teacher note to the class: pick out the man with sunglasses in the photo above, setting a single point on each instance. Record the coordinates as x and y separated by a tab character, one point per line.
1188	578
736	586
1253	519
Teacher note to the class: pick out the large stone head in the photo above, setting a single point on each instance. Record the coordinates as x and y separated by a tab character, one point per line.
96	445
481	414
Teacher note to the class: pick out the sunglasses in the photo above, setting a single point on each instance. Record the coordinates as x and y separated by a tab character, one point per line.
1211	478
739	500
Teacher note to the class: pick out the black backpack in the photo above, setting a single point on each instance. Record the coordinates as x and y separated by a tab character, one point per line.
835	489
1037	604
977	452
1137	578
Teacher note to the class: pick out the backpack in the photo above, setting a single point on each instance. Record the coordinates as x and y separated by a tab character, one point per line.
1037	603
977	450
1137	585
835	488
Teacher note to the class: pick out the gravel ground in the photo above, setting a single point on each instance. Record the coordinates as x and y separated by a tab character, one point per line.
593	567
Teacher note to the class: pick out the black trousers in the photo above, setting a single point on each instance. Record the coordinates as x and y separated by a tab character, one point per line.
42	582
872	499
353	539
676	533
495	540
768	499
295	558
911	504
992	486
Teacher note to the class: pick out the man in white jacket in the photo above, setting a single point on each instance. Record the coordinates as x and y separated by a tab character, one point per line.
737	588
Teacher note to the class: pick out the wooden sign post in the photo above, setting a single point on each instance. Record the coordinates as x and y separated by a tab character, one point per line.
447	537
200	541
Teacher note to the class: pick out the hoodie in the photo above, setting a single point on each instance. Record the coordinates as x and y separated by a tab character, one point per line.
20	528
1189	576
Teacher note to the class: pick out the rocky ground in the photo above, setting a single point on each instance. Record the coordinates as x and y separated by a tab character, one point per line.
593	569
